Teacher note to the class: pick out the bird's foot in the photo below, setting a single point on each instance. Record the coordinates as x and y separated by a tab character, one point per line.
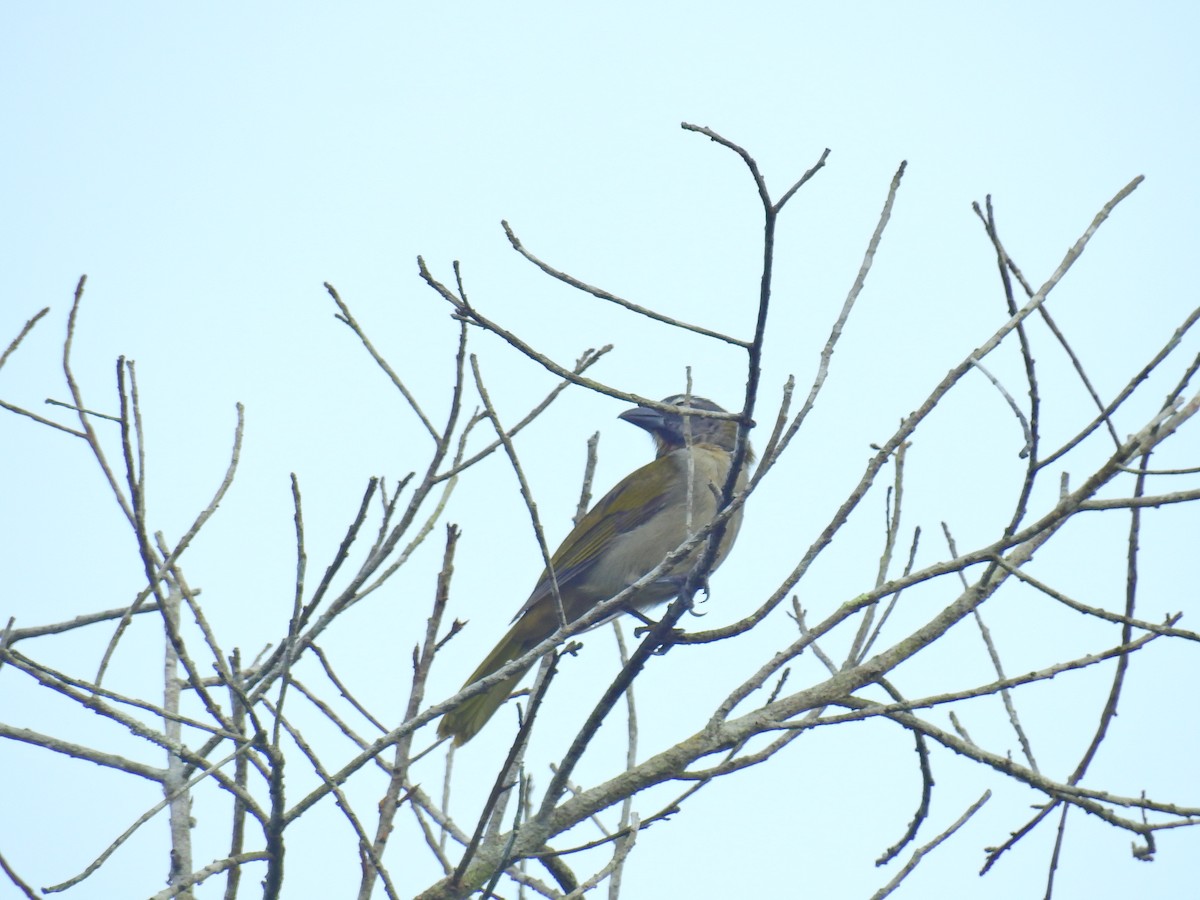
669	641
647	622
679	582
642	630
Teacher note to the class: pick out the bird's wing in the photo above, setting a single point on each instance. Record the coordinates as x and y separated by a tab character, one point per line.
634	501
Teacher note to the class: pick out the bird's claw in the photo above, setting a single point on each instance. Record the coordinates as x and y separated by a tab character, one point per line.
671	638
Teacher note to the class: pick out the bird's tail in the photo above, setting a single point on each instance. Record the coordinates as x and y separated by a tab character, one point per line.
464	722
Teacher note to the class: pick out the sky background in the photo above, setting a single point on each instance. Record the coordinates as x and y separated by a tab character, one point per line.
210	168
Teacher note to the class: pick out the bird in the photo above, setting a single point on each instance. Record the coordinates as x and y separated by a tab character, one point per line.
622	538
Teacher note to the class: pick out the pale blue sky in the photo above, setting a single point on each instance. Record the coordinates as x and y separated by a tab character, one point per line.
209	168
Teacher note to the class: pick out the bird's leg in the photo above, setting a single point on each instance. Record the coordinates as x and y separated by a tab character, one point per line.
646	621
647	624
678	582
675	582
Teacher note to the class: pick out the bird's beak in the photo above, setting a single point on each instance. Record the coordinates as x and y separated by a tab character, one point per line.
644	417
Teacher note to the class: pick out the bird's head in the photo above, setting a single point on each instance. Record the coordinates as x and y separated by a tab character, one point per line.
674	430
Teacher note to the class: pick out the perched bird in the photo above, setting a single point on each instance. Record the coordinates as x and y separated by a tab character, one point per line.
622	538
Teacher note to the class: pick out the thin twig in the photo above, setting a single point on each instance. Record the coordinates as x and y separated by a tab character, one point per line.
924	850
526	492
602	294
16	880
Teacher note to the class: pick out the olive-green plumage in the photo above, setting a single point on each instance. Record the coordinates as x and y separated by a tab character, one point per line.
623	537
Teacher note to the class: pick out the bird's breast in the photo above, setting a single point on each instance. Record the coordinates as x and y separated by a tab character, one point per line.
687	512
